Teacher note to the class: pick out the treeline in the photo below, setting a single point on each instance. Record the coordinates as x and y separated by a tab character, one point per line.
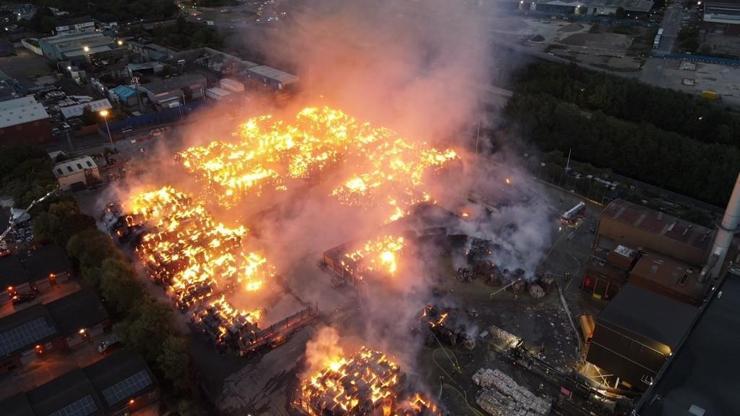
187	35
705	171
633	101
122	10
25	174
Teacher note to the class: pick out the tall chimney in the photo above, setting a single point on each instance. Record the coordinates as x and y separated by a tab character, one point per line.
726	230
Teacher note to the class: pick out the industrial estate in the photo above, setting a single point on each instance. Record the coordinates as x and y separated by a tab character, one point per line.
335	208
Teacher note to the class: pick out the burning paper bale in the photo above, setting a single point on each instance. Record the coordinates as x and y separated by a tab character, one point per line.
367	383
500	395
224	324
384	168
355	262
186	250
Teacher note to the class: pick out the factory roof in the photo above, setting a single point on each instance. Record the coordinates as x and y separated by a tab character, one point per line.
95	389
25	329
120	377
703	372
676	277
70	394
649	314
272	73
73	166
658	223
77	110
20	111
79	310
12	272
172	84
124	91
76	39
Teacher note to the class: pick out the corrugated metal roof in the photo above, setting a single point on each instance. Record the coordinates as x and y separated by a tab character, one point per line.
20	111
272	73
124	91
77	109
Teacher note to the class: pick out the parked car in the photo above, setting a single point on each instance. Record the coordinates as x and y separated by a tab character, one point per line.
20	298
108	344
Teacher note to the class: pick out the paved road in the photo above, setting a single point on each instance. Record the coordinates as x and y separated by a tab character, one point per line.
671	25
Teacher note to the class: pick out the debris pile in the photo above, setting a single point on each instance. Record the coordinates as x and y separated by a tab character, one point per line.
500	395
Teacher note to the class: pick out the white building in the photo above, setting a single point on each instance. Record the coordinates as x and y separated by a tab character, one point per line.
76	110
78	172
725	12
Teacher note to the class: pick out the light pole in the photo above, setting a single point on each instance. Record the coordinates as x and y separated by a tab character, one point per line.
104	114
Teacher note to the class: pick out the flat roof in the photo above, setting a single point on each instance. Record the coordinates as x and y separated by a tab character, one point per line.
669	273
20	111
45	260
95	389
12	272
24	329
77	110
628	5
660	223
649	314
273	73
704	371
175	83
79	310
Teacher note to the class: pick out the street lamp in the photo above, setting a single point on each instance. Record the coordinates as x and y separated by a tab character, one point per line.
86	48
104	114
120	42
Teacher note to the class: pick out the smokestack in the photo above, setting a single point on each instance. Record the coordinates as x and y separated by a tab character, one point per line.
725	232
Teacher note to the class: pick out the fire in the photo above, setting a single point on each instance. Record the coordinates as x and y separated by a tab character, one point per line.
380	254
368	382
383	169
191	253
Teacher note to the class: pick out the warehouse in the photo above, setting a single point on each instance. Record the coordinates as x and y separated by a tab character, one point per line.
669	277
709	357
635	334
642	228
172	92
118	384
588	7
269	77
24	121
40	269
722	12
59	325
76	47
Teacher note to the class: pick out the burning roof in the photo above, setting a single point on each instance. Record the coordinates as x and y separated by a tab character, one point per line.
366	383
381	168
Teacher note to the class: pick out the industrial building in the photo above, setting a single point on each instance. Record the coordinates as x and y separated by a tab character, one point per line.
24	121
172	92
587	7
77	110
76	47
723	12
59	325
116	385
269	77
40	269
77	173
701	377
642	228
635	334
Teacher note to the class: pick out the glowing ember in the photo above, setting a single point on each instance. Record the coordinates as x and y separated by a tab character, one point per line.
367	383
191	253
380	254
384	168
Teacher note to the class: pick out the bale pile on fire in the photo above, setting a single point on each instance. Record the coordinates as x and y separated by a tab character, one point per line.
446	326
367	383
191	254
382	169
353	262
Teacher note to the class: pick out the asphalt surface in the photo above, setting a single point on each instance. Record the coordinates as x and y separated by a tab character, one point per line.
671	25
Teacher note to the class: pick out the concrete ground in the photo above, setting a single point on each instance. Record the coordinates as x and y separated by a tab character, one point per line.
666	73
26	67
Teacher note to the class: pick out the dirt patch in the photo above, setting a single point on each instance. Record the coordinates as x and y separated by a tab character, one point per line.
605	41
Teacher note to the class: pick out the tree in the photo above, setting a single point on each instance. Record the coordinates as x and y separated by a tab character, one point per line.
60	222
118	284
174	361
146	327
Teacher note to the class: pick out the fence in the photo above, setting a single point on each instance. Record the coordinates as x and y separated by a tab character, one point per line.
168	115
